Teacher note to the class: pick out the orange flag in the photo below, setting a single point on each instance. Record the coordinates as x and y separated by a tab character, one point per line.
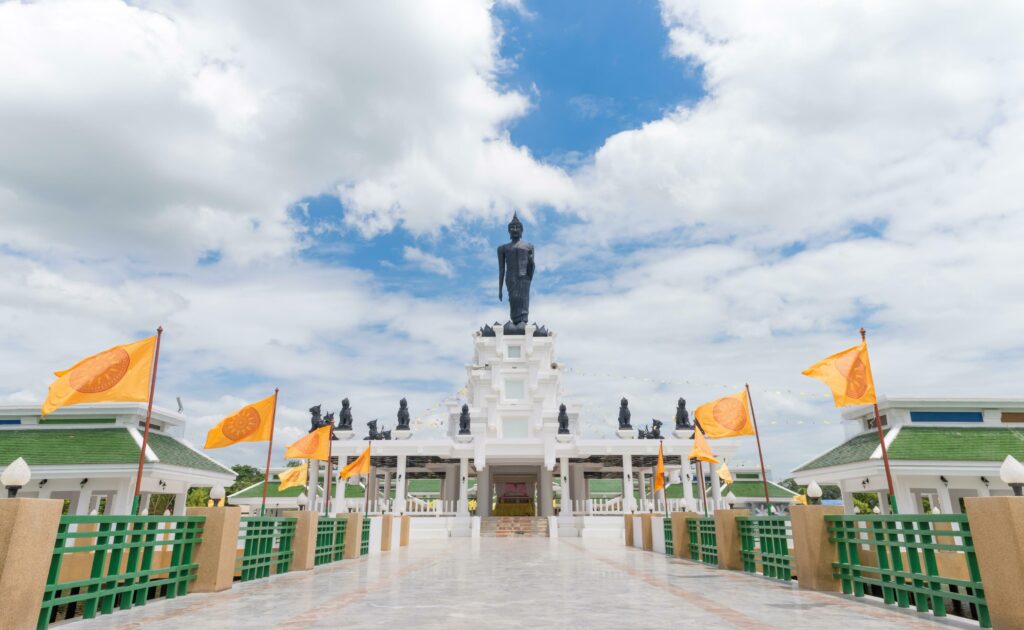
848	375
315	445
726	417
252	423
359	466
295	476
659	472
120	374
701	449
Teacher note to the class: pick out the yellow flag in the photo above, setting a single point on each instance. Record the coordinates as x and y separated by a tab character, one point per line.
659	472
848	375
701	449
120	374
800	498
726	417
315	445
724	473
252	423
359	466
296	476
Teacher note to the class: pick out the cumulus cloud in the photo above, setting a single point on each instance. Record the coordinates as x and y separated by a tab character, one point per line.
428	262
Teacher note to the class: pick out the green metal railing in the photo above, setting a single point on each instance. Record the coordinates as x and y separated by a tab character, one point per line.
703	543
364	541
330	540
764	541
132	560
669	547
915	540
266	546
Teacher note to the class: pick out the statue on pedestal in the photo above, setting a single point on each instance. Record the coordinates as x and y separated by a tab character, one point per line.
464	421
403	416
655	433
563	421
329	420
345	416
624	416
515	270
682	416
315	421
374	433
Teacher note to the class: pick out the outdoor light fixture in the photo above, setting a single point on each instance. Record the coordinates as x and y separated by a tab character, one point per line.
15	476
302	499
94	512
81	484
1011	472
943	479
145	512
730	499
864	484
814	492
936	510
984	480
43	482
217	494
876	510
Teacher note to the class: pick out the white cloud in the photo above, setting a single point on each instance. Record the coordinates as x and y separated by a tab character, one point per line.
428	262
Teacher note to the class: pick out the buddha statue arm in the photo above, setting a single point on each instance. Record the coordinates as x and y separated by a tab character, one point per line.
501	269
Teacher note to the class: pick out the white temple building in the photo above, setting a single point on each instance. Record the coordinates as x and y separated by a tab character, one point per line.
522	466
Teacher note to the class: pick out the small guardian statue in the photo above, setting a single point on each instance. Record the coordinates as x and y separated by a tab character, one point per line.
515	271
374	433
682	416
464	421
403	415
624	416
329	420
655	433
563	421
345	416
315	421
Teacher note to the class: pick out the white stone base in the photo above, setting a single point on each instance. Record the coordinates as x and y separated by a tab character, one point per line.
401	435
683	435
344	435
464	439
552	527
626	434
563	437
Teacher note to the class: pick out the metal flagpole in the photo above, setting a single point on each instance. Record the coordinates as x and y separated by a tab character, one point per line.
149	415
266	474
881	437
760	455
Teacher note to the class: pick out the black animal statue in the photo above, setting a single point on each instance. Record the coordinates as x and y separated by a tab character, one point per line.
624	416
345	416
374	433
403	416
329	420
315	421
563	421
464	421
682	416
655	433
641	433
385	435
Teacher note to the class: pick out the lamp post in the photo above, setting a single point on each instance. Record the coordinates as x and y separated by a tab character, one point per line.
1012	473
814	493
15	477
217	494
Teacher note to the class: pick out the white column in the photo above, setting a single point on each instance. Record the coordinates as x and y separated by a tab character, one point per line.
312	481
463	507
399	506
627	483
180	501
544	492
579	487
716	486
338	485
82	504
483	492
564	473
387	488
642	474
687	477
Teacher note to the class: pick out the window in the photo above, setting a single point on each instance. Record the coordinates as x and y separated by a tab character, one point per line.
1013	416
514	352
871	421
514	389
945	416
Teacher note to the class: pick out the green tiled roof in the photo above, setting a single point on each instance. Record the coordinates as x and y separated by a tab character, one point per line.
856	449
255	491
56	447
982	444
755	489
53	447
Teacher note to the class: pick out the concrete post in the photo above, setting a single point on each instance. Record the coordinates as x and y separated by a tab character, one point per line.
813	552
387	520
483	492
647	536
338	486
181	503
716	487
399	506
403	539
727	536
544	493
463	505
681	534
216	554
565	504
686	474
304	543
387	487
997	527
353	534
642	475
627	483
628	529
311	484
28	533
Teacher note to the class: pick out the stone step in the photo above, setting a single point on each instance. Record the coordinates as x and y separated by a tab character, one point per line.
514	526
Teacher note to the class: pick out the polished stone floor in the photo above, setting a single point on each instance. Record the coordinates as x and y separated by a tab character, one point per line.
516	583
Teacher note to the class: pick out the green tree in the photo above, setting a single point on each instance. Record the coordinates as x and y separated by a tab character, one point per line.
827	492
247	475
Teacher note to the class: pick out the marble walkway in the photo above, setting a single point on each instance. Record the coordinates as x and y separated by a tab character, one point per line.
515	583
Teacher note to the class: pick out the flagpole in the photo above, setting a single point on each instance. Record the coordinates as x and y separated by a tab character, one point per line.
881	437
266	475
760	454
149	415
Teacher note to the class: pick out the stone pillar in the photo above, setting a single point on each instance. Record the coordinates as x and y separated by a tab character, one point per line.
813	552
681	534
565	475
399	506
544	494
997	527
686	474
353	534
716	487
483	492
304	543
216	554
403	538
642	476
627	483
180	503
647	536
579	486
945	500
727	536
81	507
338	485
387	486
628	529
28	533
463	506
387	521
312	483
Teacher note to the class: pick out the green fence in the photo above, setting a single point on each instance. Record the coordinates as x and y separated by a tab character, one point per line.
129	560
703	543
330	540
669	547
266	546
764	543
907	551
364	541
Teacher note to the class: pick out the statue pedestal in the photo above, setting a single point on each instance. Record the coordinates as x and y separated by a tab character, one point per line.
463	439
343	435
563	437
626	434
404	434
683	435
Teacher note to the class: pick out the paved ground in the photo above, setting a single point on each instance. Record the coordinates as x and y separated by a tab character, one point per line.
516	583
